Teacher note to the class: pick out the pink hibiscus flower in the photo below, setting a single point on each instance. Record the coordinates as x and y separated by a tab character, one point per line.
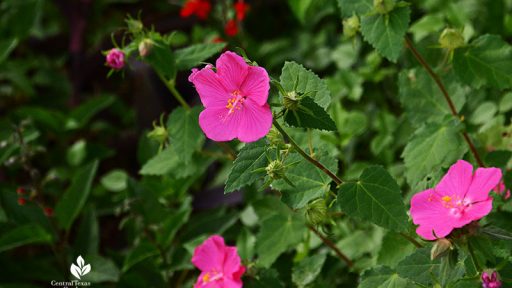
458	199
219	264
235	99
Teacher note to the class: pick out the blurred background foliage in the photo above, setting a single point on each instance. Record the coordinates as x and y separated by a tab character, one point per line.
73	141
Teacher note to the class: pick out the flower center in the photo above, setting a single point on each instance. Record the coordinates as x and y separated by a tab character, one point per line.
456	205
211	277
236	102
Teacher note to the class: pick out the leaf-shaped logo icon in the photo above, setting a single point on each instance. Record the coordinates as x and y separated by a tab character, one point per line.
81	269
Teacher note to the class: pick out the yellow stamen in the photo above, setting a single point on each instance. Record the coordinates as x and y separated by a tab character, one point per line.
447	198
206	278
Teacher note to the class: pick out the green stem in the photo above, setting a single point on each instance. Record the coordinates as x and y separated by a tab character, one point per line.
306	156
333	246
412	240
170	84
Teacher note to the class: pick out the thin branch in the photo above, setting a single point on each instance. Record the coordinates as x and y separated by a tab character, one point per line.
333	246
171	86
441	86
412	240
306	156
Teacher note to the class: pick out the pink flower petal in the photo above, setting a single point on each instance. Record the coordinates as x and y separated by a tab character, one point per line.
232	283
232	261
201	284
218	125
210	86
209	256
478	210
255	122
484	180
256	85
457	181
232	69
427	210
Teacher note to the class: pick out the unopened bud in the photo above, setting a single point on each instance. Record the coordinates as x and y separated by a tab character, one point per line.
22	201
276	170
316	212
20	191
48	211
383	6
290	101
115	59
451	39
275	138
134	26
490	279
440	248
145	47
351	26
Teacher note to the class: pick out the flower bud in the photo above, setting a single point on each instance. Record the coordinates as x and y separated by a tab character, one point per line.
115	59
490	279
451	39
48	211
440	248
145	47
316	212
276	170
20	191
22	201
275	138
351	26
159	133
290	101
383	6
135	26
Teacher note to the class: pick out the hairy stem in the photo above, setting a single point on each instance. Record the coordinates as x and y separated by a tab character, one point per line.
171	86
441	86
306	156
333	246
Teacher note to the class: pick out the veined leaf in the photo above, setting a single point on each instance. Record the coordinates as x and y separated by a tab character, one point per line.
23	235
294	77
193	55
385	32
309	115
418	267
383	277
185	134
251	158
375	197
351	7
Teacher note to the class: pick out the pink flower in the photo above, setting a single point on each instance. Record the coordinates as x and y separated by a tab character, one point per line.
490	281
458	199
115	59
500	190
235	99
219	264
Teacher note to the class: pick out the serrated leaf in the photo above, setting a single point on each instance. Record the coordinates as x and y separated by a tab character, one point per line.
73	200
294	74
351	7
305	272
310	182
383	277
375	197
23	235
277	234
487	61
309	115
193	55
185	134
162	59
385	32
422	99
432	147
251	157
418	267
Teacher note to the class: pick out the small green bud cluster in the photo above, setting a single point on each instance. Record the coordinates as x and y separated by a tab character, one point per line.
291	101
383	6
316	212
351	26
276	170
451	39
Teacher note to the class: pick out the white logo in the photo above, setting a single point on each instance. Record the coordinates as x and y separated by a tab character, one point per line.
81	269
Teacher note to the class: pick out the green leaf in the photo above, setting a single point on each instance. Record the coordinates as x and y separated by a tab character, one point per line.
422	99
427	25
310	182
73	200
171	224
299	8
383	277
418	267
142	252
385	32
23	235
161	164
185	134
309	115
277	234
308	269
77	152
193	55
497	233
245	244
393	249
163	60
295	75
351	7
432	147
487	61
484	113
375	197
103	270
6	47
87	238
251	158
80	116
115	180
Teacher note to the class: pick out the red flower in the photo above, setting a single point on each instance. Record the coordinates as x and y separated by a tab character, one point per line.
231	28
48	211
22	201
218	39
241	8
20	191
200	8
